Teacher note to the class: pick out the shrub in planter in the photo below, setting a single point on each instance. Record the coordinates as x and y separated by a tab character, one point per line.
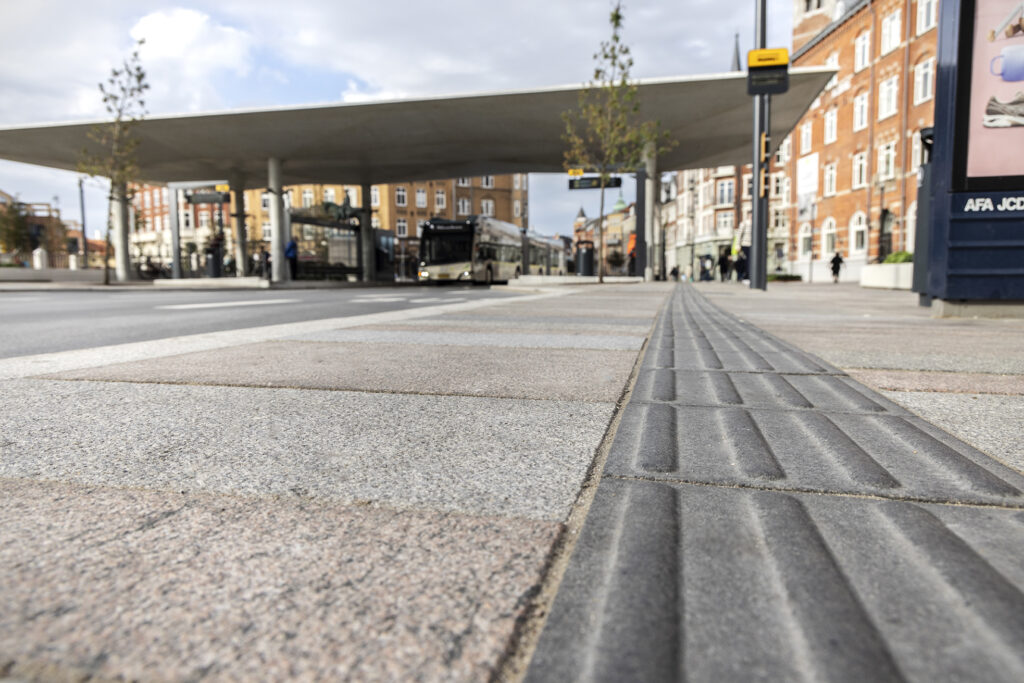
784	277
899	257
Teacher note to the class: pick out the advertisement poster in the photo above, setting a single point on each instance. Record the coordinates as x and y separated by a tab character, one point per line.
995	145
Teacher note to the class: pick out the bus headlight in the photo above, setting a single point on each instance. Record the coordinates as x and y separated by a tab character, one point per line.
465	275
424	274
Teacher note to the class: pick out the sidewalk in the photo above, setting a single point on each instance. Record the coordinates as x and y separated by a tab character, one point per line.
496	489
763	516
371	498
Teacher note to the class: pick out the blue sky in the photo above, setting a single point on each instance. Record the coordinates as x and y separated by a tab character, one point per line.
204	56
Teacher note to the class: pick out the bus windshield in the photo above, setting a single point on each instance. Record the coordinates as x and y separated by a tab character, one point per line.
446	247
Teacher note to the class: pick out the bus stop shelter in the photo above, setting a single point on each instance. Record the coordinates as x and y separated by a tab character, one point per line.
707	118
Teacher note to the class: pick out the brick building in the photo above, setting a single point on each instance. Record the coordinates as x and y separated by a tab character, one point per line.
856	151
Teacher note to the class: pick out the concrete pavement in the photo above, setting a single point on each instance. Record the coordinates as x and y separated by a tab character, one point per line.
464	491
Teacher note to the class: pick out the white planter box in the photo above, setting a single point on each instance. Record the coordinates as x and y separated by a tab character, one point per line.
887	275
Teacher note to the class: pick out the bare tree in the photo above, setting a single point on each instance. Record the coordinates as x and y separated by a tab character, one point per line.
113	153
605	133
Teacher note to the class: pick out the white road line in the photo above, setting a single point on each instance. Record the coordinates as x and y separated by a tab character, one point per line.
226	304
378	300
59	361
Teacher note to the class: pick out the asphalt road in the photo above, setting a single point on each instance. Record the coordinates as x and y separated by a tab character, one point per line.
34	322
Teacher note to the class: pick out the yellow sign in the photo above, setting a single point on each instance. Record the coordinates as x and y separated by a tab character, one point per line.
772	56
223	188
575	172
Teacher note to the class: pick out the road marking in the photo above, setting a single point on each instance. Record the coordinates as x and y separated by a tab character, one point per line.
78	359
434	300
226	304
378	300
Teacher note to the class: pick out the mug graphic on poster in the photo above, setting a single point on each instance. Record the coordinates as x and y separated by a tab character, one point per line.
996	129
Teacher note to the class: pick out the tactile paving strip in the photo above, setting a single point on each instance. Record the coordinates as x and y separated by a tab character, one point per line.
763	516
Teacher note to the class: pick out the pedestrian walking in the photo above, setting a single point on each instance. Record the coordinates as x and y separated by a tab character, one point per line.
837	263
674	273
724	265
264	263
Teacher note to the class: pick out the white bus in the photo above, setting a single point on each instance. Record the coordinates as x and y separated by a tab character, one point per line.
548	255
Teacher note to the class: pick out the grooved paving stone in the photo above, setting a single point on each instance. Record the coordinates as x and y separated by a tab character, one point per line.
683	582
478	339
463	454
565	374
882	454
518	326
143	585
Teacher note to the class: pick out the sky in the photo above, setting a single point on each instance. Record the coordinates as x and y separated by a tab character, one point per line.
205	56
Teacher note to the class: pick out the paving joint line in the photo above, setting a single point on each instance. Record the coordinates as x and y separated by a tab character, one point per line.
301	388
810	491
514	663
772	409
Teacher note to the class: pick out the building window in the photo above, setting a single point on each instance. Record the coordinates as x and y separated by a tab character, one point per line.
812	5
163	196
805	239
265	230
860	171
488	182
307	198
828	231
402	227
487	207
726	191
463	206
421	198
204	220
400	197
440	200
158	223
785	190
805	137
517	208
833	61
724	221
860	111
862	51
515	181
858	232
891	32
831	126
887	161
329	194
777	185
926	15
265	201
888	97
374	196
779	220
830	180
145	199
916	151
924	74
463	182
375	223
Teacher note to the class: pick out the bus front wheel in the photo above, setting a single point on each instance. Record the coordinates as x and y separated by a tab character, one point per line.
517	273
489	277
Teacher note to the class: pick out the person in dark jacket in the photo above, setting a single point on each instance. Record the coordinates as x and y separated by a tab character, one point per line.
724	266
291	252
837	263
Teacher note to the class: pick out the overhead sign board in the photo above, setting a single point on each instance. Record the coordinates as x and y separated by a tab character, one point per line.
575	172
592	182
209	198
768	71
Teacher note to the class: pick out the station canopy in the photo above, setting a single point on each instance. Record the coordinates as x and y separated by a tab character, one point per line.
709	118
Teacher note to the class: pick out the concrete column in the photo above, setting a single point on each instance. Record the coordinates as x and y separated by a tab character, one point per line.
119	217
279	269
241	248
175	228
366	241
650	229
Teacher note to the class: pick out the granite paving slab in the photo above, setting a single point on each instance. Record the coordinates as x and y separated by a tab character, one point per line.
953	382
544	374
517	326
992	422
683	582
576	320
514	340
450	453
104	584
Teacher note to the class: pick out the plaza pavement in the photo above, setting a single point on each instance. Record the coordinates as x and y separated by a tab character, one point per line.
614	482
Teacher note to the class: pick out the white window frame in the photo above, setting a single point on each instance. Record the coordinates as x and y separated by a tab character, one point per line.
329	195
725	191
833	61
891	37
204	220
858	226
463	206
862	51
517	208
859	177
829	182
464	182
924	80
888	97
887	161
747	181
829	238
916	151
265	201
374	195
487	207
402	227
927	15
487	182
860	111
806	137
806	240
401	196
725	221
515	181
421	198
375	223
831	125
440	200
307	198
